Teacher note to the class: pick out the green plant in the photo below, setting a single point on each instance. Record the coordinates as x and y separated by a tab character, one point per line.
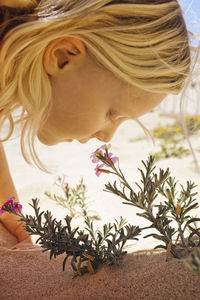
110	242
170	149
167	210
73	199
192	124
87	251
176	207
168	132
195	262
171	135
175	131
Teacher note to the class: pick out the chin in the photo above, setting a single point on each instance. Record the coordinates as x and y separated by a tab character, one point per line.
52	142
46	141
83	141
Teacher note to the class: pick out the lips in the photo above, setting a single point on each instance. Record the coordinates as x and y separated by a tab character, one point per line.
83	141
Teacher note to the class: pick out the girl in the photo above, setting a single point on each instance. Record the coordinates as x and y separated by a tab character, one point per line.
78	69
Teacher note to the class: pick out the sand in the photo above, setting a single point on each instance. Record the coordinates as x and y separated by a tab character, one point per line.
27	273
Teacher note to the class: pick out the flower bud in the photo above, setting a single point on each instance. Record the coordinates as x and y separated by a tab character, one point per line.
178	209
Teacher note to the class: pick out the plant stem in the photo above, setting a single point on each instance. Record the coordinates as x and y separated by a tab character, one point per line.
181	235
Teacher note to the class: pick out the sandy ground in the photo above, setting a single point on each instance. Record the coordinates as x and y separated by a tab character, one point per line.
141	277
27	273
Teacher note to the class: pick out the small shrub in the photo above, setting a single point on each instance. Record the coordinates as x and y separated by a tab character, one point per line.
195	262
87	251
73	199
171	135
176	206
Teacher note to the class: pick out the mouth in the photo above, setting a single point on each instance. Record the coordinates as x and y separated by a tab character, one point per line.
85	140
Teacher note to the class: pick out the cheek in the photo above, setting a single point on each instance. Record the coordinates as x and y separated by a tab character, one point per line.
75	125
87	125
75	113
148	105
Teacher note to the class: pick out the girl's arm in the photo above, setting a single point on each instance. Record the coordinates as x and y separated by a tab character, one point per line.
7	189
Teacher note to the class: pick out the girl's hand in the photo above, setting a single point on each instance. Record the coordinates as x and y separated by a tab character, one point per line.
7	190
15	227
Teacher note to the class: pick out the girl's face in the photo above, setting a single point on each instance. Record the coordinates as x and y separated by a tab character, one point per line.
90	102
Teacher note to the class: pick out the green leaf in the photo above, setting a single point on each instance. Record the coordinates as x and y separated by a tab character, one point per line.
65	260
195	205
191	221
51	254
156	236
161	246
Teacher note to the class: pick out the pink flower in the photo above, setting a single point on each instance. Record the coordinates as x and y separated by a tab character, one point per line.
61	182
9	201
17	207
104	147
95	154
100	151
113	159
107	158
99	170
4	205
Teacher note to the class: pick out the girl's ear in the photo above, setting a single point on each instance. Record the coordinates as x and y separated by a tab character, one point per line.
63	53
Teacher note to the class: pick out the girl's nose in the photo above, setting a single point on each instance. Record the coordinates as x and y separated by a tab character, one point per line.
101	137
106	134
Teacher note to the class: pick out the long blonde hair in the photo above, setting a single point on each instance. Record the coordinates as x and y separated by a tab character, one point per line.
143	42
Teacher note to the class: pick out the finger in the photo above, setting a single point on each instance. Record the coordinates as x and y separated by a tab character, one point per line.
21	233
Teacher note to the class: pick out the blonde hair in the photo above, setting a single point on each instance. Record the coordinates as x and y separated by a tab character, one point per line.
143	42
